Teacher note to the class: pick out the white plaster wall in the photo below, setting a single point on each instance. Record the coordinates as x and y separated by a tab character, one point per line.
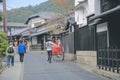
91	7
80	17
77	2
102	27
81	14
97	7
32	22
34	40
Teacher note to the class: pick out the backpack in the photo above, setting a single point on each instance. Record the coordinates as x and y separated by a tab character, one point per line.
10	50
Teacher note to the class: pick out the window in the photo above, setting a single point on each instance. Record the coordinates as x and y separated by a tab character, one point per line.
109	4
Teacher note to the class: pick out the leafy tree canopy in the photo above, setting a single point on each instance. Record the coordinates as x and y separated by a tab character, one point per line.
0	16
1	1
22	14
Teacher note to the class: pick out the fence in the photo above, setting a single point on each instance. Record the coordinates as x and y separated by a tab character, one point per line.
68	42
109	59
85	38
35	47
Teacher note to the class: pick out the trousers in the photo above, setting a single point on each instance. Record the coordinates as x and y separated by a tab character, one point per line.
49	56
21	57
10	60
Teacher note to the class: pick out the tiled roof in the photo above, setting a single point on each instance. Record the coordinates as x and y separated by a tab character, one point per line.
12	24
45	15
17	32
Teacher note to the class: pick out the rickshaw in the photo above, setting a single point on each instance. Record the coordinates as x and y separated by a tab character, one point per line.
57	50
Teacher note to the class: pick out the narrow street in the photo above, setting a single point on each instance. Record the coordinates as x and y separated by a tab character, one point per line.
36	67
85	32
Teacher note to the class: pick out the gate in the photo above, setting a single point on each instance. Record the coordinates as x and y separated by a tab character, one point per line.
109	59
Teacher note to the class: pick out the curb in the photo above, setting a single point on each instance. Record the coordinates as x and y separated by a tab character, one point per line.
3	65
3	68
108	74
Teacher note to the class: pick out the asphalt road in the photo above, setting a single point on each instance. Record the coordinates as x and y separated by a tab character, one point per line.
36	67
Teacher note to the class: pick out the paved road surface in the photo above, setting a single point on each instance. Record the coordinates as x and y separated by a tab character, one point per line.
36	67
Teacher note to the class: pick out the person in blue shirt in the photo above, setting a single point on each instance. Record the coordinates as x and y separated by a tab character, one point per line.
21	50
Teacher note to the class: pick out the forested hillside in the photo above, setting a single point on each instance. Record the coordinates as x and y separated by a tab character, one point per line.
21	14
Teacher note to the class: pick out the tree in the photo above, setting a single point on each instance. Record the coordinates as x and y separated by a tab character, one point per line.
59	1
0	16
64	5
1	12
1	0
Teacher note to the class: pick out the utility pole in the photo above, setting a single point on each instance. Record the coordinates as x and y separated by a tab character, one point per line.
4	16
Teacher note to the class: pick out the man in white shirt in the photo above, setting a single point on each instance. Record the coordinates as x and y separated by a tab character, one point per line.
49	44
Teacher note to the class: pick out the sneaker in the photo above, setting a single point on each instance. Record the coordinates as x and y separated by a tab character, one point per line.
49	61
12	65
22	62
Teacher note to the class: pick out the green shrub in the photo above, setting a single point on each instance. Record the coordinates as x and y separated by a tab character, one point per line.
3	43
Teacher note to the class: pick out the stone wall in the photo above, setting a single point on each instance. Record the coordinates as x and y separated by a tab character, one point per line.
88	58
69	57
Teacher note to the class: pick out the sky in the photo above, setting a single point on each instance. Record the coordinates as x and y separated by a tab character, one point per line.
11	4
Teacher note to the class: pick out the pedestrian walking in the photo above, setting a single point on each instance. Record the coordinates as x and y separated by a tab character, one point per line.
10	52
21	50
49	44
